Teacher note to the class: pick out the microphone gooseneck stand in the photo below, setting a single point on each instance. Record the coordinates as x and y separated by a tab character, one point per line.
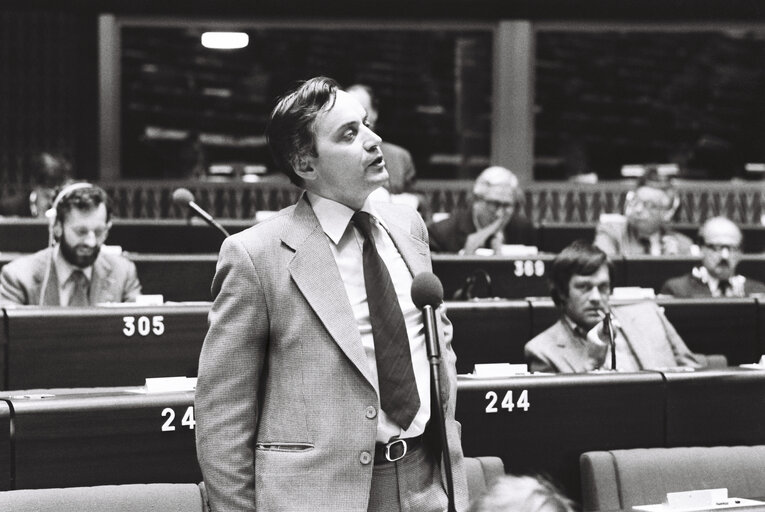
434	356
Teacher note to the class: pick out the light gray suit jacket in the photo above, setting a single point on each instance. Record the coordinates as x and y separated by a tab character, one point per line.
653	340
284	386
615	237
28	279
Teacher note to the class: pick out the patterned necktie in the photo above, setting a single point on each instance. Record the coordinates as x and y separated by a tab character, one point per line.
723	286
79	296
398	388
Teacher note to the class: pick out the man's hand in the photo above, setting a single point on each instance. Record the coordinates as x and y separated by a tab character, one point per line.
479	238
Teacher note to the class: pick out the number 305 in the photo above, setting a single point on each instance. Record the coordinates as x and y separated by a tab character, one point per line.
143	325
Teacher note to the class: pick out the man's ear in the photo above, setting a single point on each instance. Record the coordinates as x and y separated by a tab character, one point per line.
304	168
57	230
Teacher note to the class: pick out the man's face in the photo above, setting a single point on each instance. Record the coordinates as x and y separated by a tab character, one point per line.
495	201
350	164
721	250
82	234
588	297
363	97
648	209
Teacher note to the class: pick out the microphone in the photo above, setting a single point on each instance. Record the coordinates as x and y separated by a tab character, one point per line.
427	295
184	198
608	326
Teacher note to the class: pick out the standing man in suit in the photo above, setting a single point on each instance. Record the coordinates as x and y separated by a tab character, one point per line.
644	227
74	271
716	276
579	342
297	405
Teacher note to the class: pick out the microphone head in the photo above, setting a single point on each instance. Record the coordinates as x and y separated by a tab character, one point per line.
427	290
182	196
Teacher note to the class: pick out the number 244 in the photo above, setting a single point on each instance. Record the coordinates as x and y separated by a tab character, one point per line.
507	401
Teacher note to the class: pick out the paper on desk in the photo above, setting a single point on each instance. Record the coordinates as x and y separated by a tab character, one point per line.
167	384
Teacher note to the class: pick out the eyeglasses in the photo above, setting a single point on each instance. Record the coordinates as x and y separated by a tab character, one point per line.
722	247
496	205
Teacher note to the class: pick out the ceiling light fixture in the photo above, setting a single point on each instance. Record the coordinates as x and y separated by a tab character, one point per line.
225	40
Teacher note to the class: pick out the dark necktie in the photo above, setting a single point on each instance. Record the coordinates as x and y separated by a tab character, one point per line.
79	296
723	286
398	388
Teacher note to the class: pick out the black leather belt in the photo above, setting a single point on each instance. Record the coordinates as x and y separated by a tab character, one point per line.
396	449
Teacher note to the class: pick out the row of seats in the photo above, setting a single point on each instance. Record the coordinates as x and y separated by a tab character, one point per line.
187	277
534	423
481	473
182	237
70	347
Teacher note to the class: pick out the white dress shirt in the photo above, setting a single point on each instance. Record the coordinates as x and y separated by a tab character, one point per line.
346	243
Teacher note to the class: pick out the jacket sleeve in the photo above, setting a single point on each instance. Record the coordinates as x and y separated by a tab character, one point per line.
12	290
683	355
132	287
230	369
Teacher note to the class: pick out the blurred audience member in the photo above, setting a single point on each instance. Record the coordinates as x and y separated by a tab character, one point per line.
398	160
720	241
511	493
494	217
644	227
579	342
74	271
48	173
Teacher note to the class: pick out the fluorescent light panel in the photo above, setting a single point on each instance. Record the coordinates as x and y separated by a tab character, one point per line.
225	40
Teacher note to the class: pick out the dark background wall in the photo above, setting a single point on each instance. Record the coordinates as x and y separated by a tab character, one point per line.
49	69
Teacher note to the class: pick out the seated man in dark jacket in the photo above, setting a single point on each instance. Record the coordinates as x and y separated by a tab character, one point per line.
494	217
716	276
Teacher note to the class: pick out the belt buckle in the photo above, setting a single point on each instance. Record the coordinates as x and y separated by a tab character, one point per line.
396	442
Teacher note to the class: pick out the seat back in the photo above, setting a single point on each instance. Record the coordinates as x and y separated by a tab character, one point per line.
621	479
481	474
114	498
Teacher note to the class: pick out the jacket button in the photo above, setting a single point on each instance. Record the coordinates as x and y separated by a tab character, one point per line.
365	458
371	412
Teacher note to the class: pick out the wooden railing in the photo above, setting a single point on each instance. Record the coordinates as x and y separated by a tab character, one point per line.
744	203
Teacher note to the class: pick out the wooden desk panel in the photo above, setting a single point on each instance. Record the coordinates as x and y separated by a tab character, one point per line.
510	278
716	407
489	332
98	438
83	347
566	416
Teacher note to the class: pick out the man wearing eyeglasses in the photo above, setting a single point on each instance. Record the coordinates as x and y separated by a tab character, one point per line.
716	276
644	227
74	271
494	218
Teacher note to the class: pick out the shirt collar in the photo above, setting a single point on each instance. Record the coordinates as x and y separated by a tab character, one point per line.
334	217
64	269
579	331
702	274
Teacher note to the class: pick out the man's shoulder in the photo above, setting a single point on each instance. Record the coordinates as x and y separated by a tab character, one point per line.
265	231
29	262
612	223
553	335
391	150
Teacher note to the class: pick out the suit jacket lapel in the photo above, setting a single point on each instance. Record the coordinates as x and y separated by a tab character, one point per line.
640	344
46	281
571	350
101	282
413	250
314	270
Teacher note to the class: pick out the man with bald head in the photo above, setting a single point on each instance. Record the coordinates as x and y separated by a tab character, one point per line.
720	241
493	218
